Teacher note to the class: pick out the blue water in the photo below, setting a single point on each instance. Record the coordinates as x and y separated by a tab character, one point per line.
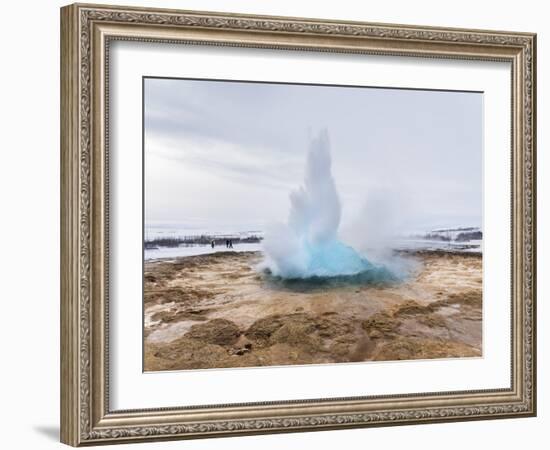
330	260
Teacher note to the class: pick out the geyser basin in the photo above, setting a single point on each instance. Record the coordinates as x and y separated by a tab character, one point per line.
307	246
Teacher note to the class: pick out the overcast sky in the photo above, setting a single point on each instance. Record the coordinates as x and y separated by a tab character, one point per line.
225	155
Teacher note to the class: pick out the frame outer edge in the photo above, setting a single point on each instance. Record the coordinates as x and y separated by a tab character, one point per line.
533	235
535	374
79	407
69	338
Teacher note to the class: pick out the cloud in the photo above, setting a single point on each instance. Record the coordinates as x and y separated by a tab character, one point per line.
244	145
232	162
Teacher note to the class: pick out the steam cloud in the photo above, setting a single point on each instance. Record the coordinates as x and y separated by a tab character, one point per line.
307	245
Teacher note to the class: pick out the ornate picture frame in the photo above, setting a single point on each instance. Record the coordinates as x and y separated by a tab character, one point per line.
87	32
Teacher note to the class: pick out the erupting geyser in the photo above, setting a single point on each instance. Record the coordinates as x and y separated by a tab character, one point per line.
308	246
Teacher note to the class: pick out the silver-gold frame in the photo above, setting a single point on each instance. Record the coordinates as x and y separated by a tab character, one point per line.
86	34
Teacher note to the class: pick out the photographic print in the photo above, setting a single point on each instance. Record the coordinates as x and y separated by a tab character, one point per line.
292	224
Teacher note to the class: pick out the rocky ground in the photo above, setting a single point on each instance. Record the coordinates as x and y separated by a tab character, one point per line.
214	311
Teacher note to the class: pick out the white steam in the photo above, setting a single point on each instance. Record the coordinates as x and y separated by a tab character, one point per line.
307	245
315	208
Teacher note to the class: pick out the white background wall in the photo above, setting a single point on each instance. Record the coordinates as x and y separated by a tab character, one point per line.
29	186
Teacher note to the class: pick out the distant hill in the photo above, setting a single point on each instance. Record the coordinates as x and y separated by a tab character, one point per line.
459	234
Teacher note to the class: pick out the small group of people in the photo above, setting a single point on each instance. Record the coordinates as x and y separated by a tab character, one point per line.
228	243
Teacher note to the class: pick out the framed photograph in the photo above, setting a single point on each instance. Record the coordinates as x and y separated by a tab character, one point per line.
276	224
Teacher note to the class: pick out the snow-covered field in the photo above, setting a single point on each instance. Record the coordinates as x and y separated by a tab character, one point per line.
404	244
432	240
473	246
192	250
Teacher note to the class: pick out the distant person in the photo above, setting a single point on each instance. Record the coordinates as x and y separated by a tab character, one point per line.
212	243
230	243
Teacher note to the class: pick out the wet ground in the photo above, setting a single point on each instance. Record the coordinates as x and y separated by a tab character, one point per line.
213	311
